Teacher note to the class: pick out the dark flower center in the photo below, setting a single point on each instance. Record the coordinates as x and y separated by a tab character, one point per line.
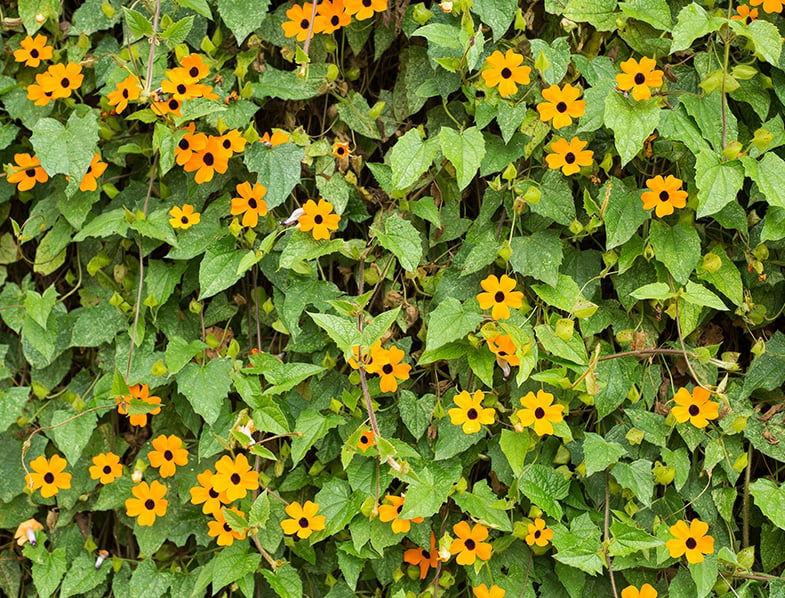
227	143
208	159
107	469
364	439
470	545
168	454
184	220
30	172
399	509
569	157
367	3
340	151
125	94
664	196
212	493
694	410
318	219
64	82
471	413
183	144
748	20
506	73
34	53
303	522
193	72
235	478
539	413
690	543
149	504
561	107
181	88
227	528
334	21
425	554
89	169
49	477
502	353
537	534
173	104
499	297
387	369
639	79
252	203
304	24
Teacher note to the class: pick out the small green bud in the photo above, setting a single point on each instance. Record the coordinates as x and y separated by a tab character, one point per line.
195	307
762	139
532	195
421	14
510	172
565	328
159	369
732	150
711	263
663	475
332	72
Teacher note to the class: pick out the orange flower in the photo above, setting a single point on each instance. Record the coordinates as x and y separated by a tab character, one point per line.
569	156
299	21
33	51
341	150
506	71
692	541
538	534
499	296
639	77
470	545
106	468
148	502
95	170
222	532
126	91
189	143
425	559
367	440
27	173
318	218
206	495
304	520
26	532
503	347
141	392
483	591
179	84
745	13
168	453
195	67
206	162
390	512
164	107
646	591
561	105
235	477
184	217
278	137
540	412
42	91
364	9
48	475
470	413
232	141
695	407
387	363
250	203
665	195
65	78
331	16
769	6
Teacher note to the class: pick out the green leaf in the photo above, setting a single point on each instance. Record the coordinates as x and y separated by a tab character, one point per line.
544	487
768	369
260	510
72	437
718	182
234	562
342	331
654	290
138	24
627	538
199	6
764	36
452	440
614	379
402	239
497	14
176	33
572	350
556	55
538	255
678	247
704	574
465	151
278	168
557	200
12	401
599	453
410	157
693	22
378	327
727	280
354	111
579	547
38	306
282	376
631	121
82	576
218	269
599	13
207	387
67	149
338	504
48	569
482	504
285	581
310	427
700	295
415	411
242	16
450	321
426	495
514	446
769	175
179	353
286	85
636	476
656	13
623	214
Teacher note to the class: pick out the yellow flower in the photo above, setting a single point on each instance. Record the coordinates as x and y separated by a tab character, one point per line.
33	51
483	591
206	495
95	170
318	218
304	520
141	392
341	150
540	412
27	173
48	475
664	196
569	155
365	9
506	71
646	591
470	413
387	363
367	440
250	203
126	91
299	21
499	296
65	78
106	468
745	13
692	541
504	349
235	477
538	534
695	407
390	512
168	453
278	137
148	502
222	532
184	217
639	77
769	6
331	16
561	105
42	91
425	559
195	67
470	545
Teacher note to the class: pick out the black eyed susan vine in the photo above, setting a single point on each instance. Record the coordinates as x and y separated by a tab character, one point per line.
406	299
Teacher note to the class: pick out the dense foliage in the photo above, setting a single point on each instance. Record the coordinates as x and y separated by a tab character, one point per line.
471	298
